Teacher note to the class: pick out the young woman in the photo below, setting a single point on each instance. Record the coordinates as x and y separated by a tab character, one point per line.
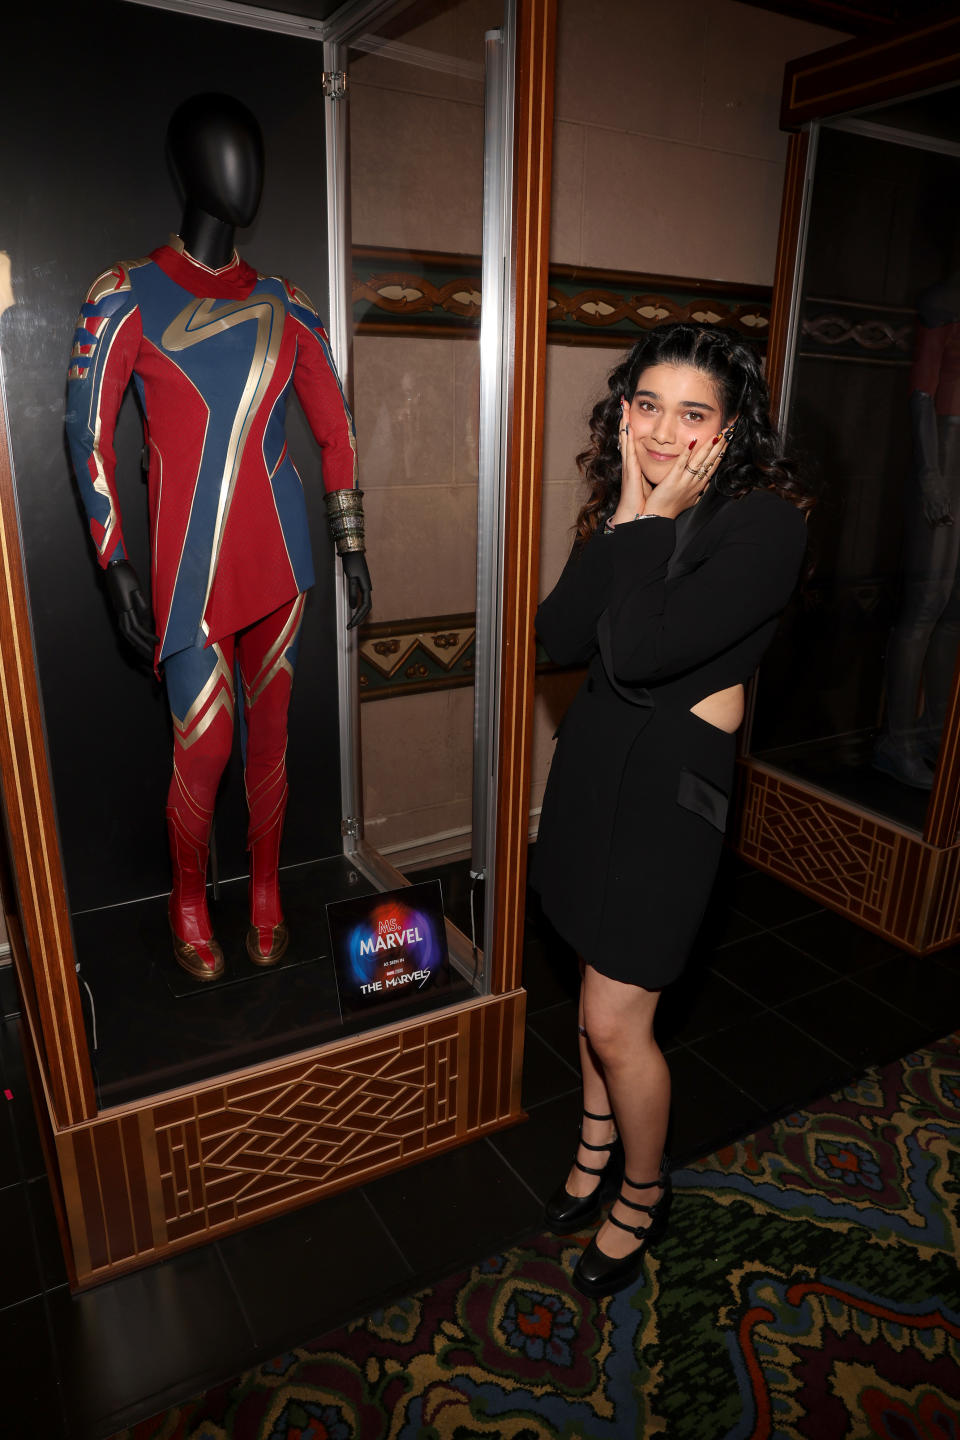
687	550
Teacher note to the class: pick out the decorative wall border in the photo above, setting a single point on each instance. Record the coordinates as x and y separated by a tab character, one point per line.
436	294
433	652
407	657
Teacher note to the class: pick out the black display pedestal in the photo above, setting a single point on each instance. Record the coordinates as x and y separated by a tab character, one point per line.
156	1029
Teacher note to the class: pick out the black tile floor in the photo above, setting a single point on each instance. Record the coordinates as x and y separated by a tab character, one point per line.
782	1002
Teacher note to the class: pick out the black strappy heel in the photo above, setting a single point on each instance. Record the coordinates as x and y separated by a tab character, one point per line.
597	1274
565	1213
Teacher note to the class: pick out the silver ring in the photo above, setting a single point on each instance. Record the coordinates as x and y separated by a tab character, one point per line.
691	470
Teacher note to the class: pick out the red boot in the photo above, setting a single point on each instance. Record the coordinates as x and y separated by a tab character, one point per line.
267	937
194	947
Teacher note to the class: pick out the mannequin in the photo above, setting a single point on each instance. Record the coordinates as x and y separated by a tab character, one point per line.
212	347
923	641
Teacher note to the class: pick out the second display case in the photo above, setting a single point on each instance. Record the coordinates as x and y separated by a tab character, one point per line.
852	763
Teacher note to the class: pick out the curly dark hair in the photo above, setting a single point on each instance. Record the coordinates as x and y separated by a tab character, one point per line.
754	458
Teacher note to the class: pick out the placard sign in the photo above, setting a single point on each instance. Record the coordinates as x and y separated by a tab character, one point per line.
388	947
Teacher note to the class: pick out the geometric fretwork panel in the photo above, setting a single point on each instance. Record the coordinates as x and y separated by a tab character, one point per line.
259	1143
845	857
146	1181
886	878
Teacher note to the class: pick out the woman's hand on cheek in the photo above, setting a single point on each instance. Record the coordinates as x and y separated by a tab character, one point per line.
686	481
634	490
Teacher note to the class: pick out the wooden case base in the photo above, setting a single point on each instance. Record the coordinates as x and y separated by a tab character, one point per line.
878	874
141	1182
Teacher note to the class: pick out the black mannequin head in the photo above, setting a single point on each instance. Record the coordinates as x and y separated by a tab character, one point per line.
216	152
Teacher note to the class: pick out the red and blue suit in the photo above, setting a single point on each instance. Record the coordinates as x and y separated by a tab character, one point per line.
213	354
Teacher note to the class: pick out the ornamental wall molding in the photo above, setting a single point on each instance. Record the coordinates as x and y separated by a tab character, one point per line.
405	292
432	652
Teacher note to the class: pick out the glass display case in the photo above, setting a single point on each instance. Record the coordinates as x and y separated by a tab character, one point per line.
851	764
176	1109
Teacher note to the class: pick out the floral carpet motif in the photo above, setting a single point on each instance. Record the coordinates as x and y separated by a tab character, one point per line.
807	1290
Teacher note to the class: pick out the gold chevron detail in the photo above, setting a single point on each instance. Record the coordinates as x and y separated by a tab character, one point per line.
189	729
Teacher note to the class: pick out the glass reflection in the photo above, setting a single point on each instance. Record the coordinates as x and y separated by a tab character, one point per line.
854	693
922	646
417	145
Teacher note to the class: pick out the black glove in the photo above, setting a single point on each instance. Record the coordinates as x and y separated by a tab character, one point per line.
133	613
361	588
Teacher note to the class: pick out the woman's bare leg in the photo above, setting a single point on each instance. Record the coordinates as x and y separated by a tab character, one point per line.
619	1023
597	1101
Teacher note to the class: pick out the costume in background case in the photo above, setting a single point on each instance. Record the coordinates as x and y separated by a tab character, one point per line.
922	647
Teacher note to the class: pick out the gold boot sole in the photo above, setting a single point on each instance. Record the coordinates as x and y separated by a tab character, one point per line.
281	939
189	959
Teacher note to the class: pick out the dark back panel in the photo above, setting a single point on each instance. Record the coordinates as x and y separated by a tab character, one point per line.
87	94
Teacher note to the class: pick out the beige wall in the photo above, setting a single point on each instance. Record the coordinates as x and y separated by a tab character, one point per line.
416	141
668	157
416	405
416	138
668	160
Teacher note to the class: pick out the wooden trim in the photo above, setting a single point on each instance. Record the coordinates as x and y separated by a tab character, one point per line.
646	280
397	255
456	330
594	339
32	829
943	812
377	629
533	141
858	73
791	211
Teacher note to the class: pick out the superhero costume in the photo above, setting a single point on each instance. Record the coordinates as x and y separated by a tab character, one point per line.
922	645
212	354
936	361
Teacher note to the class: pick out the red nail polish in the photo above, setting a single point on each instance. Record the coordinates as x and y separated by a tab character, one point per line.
692	445
715	439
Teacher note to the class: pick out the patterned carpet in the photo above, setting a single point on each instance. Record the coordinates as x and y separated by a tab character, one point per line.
808	1287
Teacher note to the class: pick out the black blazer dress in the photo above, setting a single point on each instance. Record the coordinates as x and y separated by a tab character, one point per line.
666	613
